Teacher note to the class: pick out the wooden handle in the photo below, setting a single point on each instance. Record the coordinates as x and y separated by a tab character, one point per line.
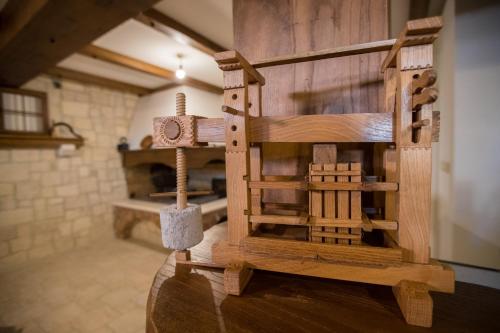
420	123
427	96
426	79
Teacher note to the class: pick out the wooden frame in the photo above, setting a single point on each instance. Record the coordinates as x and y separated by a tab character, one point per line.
25	92
334	247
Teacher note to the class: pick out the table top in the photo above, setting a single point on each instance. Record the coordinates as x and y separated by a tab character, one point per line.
186	299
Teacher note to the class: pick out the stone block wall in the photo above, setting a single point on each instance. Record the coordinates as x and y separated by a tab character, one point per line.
50	204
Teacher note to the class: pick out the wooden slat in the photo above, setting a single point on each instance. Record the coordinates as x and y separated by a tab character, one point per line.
37	34
279	219
86	78
342	51
355	203
339	236
343	202
329	201
316	203
367	187
178	31
362	127
136	64
334	252
427	27
283	185
327	172
351	223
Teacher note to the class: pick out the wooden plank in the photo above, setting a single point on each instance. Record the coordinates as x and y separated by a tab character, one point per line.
340	237
316	204
343	202
415	302
36	35
178	31
355	203
337	52
363	127
427	27
279	219
332	172
69	74
390	171
139	65
437	276
312	250
256	175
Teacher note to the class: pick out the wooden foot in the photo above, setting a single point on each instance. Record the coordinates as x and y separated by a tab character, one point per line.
236	277
184	255
415	302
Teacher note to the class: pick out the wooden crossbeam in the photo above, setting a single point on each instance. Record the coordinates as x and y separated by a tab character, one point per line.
343	51
139	65
37	34
70	74
337	252
321	186
178	31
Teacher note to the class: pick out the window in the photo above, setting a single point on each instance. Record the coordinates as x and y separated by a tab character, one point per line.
23	111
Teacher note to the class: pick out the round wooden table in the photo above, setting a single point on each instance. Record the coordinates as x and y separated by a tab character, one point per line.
190	299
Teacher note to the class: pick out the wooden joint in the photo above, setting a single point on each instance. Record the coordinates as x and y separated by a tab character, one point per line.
421	123
175	131
234	112
232	60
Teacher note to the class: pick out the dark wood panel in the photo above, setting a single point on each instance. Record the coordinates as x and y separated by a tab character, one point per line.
196	157
273	28
36	35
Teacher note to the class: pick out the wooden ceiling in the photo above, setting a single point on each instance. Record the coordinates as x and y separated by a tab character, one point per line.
35	35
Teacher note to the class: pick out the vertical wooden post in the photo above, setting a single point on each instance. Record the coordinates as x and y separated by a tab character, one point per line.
237	76
255	110
413	200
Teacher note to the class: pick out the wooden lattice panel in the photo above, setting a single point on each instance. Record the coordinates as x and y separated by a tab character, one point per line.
335	206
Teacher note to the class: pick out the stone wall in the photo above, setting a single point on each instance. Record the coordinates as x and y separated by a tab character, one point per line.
51	204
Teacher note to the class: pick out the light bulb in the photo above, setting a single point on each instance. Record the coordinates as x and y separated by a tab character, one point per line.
180	73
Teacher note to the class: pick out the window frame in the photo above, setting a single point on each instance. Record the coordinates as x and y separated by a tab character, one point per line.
44	114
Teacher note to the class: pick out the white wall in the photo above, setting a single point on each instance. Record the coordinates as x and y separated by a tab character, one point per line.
466	225
198	103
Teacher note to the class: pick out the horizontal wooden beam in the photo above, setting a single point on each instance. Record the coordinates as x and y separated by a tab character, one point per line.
279	219
356	127
343	51
437	276
36	141
70	74
139	65
416	32
232	60
324	186
178	31
374	224
37	34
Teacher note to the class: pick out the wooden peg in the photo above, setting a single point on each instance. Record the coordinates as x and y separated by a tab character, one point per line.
427	96
424	80
230	110
421	123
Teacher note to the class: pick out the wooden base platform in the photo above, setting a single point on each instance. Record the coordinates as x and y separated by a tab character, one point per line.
194	300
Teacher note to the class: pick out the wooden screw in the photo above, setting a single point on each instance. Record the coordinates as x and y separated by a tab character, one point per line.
180	157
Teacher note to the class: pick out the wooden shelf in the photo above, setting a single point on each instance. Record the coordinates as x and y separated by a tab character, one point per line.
35	141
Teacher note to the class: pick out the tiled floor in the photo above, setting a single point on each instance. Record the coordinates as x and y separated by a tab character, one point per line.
103	288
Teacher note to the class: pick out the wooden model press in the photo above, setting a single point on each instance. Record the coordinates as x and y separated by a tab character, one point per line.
356	226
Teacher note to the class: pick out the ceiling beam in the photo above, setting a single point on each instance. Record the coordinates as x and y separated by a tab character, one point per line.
37	34
69	74
139	65
178	31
